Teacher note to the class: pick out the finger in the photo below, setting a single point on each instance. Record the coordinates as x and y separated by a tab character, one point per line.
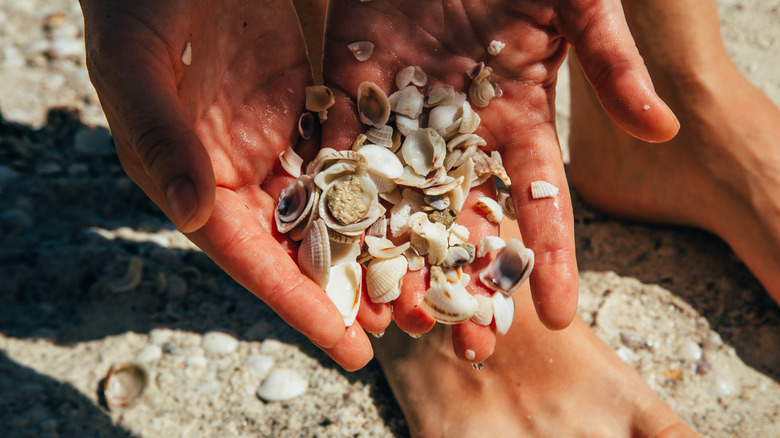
251	255
473	342
610	60
407	309
354	350
374	317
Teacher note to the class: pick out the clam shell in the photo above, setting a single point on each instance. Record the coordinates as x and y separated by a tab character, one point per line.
381	161
282	384
359	141
424	150
375	209
449	303
319	98
484	313
504	199
434	233
378	228
314	253
339	169
343	289
412	74
383	185
543	189
406	124
124	384
383	248
306	125
373	106
470	120
362	50
492	210
489	244
445	119
456	256
503	312
298	231
381	136
464	141
443	95
474	71
384	278
295	204
407	101
481	93
511	267
327	157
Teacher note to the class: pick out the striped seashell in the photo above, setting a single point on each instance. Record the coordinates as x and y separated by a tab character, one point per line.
449	303
543	189
382	136
484	313
491	208
384	278
314	254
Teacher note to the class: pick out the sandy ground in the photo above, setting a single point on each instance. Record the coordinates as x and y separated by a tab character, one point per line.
674	303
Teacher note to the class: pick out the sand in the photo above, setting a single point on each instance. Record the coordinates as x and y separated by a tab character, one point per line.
674	303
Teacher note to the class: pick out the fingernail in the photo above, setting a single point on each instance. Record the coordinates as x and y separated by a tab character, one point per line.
182	200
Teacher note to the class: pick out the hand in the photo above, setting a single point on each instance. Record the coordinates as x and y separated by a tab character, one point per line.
202	139
445	39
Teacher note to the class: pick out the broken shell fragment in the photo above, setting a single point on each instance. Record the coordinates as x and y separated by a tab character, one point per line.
512	265
306	125
362	50
492	210
372	103
407	101
504	199
132	277
291	162
449	303
495	47
383	248
382	136
489	244
186	56
384	278
319	98
503	312
124	384
414	260
484	313
543	189
343	289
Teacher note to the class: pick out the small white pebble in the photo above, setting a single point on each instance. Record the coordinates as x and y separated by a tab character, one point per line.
495	47
186	57
646	107
470	355
543	189
219	343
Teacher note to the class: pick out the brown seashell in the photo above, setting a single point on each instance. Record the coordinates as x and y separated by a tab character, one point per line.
373	106
124	384
319	98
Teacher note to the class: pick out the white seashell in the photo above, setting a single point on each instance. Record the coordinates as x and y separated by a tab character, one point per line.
504	199
327	157
382	136
454	276
314	253
469	120
443	95
407	101
282	384
333	172
342	252
217	342
495	47
343	289
484	313
458	234
131	279
319	98
688	350
512	265
406	124
362	50
373	106
491	208
306	125
418	243
124	384
393	197
186	56
434	233
443	186
384	278
503	312
466	171
369	199
424	150
414	260
482	89
489	244
359	141
487	165
260	364
378	228
437	202
383	185
464	141
456	256
445	119
381	247
411	75
381	161
291	162
297	232
449	303
543	189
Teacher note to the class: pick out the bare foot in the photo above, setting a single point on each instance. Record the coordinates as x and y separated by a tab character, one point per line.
722	171
538	383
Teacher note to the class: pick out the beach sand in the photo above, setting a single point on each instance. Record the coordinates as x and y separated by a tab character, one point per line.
93	275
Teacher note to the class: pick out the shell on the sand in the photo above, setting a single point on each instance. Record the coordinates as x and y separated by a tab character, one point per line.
282	384
124	384
512	265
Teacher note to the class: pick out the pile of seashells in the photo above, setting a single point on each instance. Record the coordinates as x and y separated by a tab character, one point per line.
391	202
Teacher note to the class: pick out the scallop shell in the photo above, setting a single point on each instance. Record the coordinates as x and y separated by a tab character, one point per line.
362	50
343	289
543	189
381	136
319	98
424	150
306	125
407	101
512	265
484	313
445	119
495	47
124	384
314	254
373	106
489	244
443	95
503	312
383	248
487	165
291	162
295	204
381	161
384	278
491	208
434	233
449	303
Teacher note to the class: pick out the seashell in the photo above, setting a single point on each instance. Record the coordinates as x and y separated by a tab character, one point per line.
512	265
383	185
306	125
383	248
434	233
186	55
458	234
504	199
424	150
474	71
482	92
406	124
415	261
378	228
124	384
485	165
372	103
456	256
359	141
411	178
445	119
327	157
384	278
319	98
322	116
466	171
314	253
295	204
543	189
217	342
689	350
495	47
342	252
362	50
343	289
484	313
491	208
489	244
418	243
449	303
291	162
131	279
443	95
339	169
445	185
298	231
437	202
282	384
402	211
503	312
382	136
411	75
465	141
381	161
341	238
469	120
393	197
343	212
471	250
407	101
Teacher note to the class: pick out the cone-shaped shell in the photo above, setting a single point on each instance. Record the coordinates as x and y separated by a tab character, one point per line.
510	268
314	253
449	303
384	277
343	288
